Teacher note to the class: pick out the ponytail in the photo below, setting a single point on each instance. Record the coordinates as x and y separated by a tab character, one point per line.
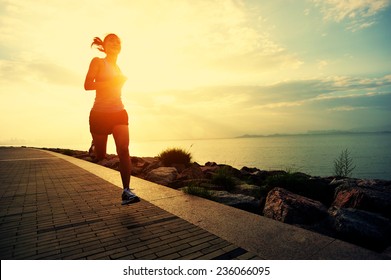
98	43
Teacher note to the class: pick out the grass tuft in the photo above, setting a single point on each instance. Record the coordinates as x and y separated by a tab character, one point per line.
224	178
172	156
195	189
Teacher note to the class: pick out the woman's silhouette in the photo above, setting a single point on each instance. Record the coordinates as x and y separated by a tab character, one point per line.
108	114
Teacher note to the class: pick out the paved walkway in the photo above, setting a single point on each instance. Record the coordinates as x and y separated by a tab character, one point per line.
58	207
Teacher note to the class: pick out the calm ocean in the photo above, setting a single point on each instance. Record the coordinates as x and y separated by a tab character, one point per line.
311	154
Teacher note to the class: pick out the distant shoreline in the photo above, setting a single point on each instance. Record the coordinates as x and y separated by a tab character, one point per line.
312	133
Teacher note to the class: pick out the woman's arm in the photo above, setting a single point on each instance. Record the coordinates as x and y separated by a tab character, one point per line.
89	83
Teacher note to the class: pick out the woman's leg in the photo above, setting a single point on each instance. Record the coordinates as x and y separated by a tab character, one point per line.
100	143
121	138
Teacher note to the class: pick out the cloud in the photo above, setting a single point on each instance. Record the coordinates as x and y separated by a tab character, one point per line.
311	92
358	14
290	106
44	72
208	42
179	44
322	64
346	109
55	74
227	101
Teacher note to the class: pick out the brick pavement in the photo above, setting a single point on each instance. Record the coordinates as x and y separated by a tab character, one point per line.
52	209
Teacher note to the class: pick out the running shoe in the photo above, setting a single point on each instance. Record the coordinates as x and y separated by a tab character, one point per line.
129	197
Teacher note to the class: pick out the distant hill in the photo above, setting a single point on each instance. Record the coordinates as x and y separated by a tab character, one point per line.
312	132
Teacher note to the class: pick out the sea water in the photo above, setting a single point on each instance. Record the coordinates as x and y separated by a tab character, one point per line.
310	153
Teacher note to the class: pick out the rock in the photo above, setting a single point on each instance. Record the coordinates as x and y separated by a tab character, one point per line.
110	162
180	167
348	198
302	184
247	189
154	164
249	170
209	169
229	170
344	181
192	172
276	173
244	202
162	175
287	207
138	164
368	195
253	175
192	175
361	227
143	162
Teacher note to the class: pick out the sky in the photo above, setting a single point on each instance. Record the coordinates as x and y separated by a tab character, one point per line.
197	69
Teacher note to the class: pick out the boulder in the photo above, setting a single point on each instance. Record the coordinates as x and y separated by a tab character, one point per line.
368	195
249	170
232	171
191	173
154	164
276	173
110	162
209	169
143	162
247	189
287	207
180	167
241	201
253	175
140	164
364	228
321	189
162	175
349	198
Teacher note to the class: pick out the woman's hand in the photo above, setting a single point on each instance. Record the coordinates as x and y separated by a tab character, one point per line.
91	84
119	80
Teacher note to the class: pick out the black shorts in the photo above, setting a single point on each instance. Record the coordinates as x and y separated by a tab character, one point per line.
104	123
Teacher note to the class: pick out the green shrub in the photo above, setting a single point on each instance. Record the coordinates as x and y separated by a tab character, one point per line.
175	156
196	190
287	180
224	178
343	165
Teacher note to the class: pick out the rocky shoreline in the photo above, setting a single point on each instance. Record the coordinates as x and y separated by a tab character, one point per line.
354	210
